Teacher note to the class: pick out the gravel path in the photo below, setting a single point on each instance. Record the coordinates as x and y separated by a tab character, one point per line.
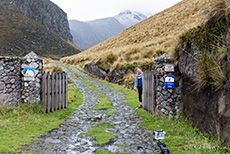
131	137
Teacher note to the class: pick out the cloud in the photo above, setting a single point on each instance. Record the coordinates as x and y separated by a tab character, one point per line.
85	10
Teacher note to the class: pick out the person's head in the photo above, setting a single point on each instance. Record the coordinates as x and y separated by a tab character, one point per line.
139	71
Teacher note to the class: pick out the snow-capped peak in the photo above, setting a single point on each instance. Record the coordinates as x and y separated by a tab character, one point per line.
129	18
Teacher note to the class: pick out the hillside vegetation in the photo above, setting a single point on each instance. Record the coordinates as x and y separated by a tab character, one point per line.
20	35
143	42
208	44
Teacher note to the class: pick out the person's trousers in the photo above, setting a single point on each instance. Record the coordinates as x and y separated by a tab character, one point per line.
140	93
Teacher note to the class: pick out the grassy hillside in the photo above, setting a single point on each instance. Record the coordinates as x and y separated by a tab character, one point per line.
20	35
141	43
208	44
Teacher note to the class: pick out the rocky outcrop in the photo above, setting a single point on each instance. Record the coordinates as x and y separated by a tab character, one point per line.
115	77
21	34
48	14
118	76
208	109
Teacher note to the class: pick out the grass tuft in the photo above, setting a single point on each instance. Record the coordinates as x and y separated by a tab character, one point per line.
99	133
104	103
102	151
212	70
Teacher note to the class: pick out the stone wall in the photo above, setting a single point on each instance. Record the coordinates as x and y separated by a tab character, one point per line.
13	88
10	82
168	101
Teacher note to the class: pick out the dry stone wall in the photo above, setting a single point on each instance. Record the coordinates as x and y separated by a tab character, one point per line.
168	101
13	88
10	82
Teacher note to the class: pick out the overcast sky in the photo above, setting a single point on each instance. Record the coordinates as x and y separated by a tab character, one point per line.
86	10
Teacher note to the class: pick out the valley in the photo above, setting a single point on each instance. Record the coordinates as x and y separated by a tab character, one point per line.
183	51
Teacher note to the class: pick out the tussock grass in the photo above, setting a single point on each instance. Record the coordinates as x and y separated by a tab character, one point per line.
209	46
49	66
213	70
129	79
19	124
146	40
217	11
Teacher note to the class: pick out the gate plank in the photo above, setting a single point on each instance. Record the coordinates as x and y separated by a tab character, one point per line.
52	92
48	92
56	91
153	93
63	90
44	91
148	92
144	90
60	107
66	90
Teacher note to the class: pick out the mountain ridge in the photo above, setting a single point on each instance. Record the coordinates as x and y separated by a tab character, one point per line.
100	30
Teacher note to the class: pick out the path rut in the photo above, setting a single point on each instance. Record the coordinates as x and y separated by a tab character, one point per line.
131	137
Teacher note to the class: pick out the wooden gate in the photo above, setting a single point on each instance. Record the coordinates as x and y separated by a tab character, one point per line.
54	91
148	92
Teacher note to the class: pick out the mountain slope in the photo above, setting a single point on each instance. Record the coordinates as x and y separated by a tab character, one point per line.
141	43
90	33
20	34
48	14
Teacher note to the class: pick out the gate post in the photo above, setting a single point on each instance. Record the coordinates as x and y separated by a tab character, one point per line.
31	76
168	87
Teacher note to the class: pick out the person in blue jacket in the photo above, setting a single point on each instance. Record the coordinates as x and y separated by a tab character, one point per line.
138	85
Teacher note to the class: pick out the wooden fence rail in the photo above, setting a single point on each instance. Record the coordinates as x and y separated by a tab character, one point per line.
148	92
54	91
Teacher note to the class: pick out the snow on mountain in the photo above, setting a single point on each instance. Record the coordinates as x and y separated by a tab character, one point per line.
129	18
87	34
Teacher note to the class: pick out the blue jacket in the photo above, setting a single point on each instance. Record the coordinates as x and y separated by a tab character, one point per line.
138	83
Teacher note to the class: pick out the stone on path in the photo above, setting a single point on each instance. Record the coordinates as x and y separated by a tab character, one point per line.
50	140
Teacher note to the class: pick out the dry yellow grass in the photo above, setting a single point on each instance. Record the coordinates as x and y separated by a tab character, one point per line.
49	66
146	40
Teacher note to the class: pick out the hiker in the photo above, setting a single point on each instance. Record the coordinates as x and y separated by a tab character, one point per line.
138	85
